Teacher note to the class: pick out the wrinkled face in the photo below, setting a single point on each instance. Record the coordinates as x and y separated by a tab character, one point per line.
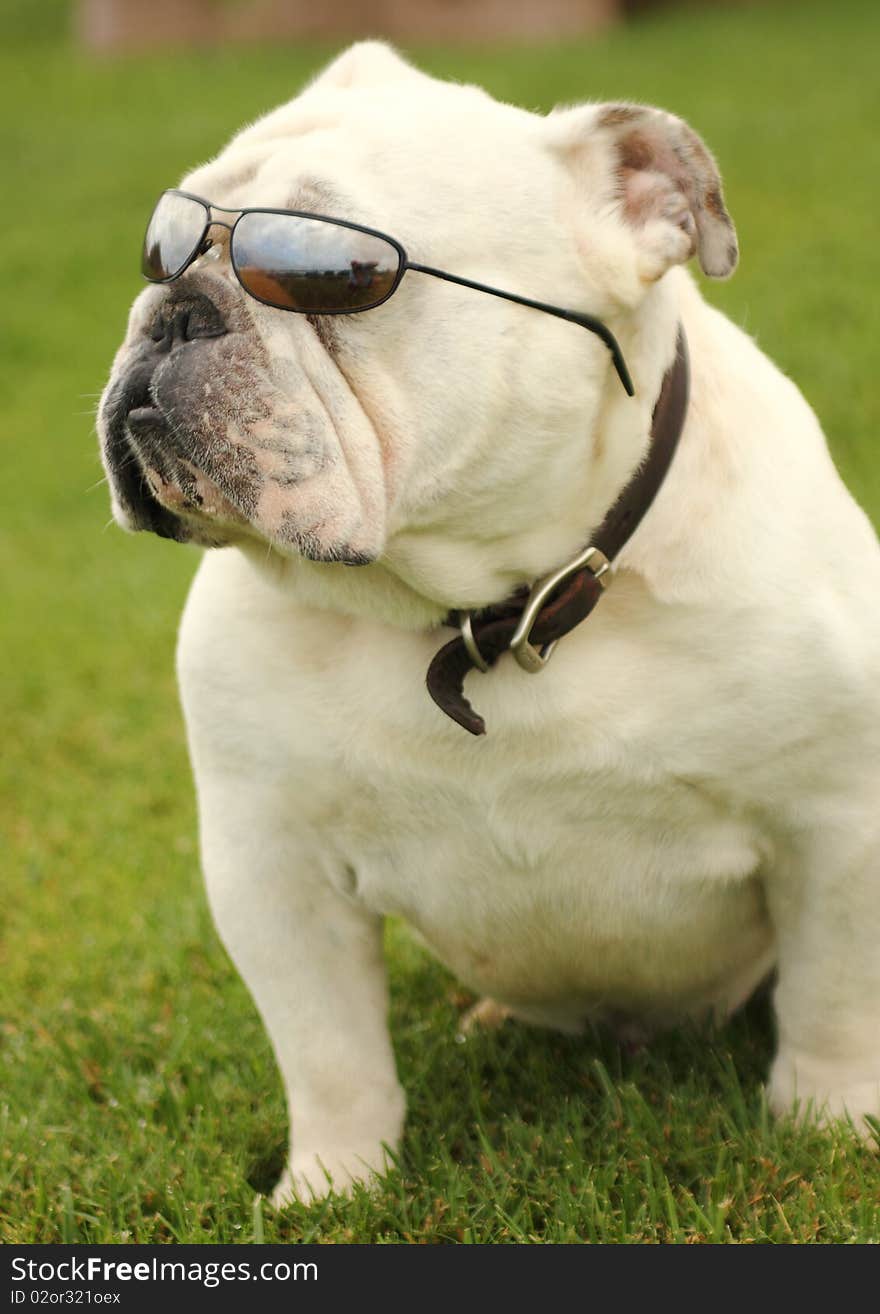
227	420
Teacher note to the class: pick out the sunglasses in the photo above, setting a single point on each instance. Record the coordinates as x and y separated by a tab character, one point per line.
310	264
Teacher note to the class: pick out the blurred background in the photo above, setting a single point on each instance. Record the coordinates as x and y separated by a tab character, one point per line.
129	1052
114	25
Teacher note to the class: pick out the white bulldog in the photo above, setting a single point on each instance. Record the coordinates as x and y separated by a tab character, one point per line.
687	797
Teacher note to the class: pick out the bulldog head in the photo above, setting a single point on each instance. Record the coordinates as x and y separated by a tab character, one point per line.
444	418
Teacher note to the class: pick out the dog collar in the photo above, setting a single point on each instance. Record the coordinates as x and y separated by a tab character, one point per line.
532	620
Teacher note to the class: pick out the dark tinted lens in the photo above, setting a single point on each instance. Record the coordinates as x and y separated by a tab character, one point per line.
173	233
311	264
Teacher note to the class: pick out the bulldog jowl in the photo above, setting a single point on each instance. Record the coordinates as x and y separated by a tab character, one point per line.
209	441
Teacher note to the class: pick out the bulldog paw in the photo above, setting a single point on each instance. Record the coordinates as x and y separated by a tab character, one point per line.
312	1177
819	1092
486	1015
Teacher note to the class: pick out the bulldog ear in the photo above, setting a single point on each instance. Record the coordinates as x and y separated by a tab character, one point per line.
367	63
664	180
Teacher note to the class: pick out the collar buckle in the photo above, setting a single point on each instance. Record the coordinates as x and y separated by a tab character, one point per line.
463	620
529	657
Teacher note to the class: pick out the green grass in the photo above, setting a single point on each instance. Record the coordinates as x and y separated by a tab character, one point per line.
138	1098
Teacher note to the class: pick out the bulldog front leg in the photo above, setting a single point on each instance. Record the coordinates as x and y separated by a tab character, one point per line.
827	916
312	959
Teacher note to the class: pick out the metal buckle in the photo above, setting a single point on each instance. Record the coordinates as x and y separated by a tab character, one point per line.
470	642
529	657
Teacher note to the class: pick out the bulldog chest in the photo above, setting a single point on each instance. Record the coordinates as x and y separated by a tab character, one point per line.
568	863
565	901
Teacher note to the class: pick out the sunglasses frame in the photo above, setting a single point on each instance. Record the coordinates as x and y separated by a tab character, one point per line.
204	244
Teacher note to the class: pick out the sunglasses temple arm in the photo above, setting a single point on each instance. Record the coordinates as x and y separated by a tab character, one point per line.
573	316
596	326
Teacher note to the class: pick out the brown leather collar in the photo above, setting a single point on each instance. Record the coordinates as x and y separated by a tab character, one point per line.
532	620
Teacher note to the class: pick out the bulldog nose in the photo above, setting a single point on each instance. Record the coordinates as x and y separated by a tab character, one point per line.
185	318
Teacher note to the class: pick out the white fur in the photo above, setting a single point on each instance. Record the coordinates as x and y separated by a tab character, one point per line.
688	795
